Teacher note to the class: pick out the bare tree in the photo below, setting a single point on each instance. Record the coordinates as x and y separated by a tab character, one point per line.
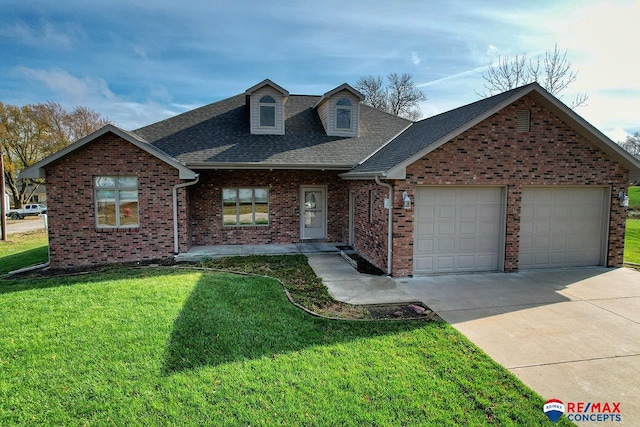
553	72
33	132
632	144
374	91
401	97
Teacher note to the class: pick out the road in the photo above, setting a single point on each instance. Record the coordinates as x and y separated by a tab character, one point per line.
30	223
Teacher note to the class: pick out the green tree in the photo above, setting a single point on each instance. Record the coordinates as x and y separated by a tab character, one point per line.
35	131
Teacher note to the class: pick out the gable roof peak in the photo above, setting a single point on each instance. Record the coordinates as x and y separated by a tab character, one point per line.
343	86
267	82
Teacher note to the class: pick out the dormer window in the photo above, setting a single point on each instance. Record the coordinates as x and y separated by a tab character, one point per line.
267	106
339	111
343	114
266	102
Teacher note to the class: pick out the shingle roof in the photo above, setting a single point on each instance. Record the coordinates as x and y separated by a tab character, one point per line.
218	134
428	131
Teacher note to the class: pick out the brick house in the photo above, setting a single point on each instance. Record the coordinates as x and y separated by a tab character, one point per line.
514	181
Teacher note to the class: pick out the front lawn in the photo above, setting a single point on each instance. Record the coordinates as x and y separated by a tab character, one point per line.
632	241
22	250
634	197
184	347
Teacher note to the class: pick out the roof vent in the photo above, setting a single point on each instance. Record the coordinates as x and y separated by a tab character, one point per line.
522	120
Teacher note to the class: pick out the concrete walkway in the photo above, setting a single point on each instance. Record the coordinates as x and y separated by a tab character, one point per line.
570	334
347	285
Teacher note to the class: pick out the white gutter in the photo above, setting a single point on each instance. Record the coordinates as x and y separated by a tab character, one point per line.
176	245
390	228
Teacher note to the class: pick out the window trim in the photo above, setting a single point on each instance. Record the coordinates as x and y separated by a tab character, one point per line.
348	107
117	188
267	101
253	206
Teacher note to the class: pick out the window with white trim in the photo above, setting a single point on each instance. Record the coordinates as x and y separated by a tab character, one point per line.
116	201
267	107
343	114
245	206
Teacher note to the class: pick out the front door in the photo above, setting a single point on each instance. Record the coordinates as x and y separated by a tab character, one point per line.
313	222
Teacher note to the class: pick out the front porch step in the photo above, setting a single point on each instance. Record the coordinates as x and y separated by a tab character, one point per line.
197	253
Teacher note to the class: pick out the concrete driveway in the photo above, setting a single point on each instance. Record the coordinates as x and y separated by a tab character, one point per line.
569	334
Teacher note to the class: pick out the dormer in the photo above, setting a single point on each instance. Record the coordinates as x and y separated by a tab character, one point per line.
266	108
339	111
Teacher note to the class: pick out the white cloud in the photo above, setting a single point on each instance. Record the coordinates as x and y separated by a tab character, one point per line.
64	35
94	92
74	89
616	134
415	58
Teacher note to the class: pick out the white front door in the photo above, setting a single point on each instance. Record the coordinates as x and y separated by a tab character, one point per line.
313	221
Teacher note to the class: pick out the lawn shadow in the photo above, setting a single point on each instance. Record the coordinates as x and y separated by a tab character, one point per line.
228	318
24	259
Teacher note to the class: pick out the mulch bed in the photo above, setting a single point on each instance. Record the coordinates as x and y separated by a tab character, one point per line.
410	310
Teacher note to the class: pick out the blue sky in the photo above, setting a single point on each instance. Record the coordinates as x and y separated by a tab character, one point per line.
137	62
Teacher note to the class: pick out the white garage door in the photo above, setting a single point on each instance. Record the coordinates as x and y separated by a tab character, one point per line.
457	229
561	227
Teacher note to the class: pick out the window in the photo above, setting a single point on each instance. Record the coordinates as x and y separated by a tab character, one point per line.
245	206
116	201
267	111
343	114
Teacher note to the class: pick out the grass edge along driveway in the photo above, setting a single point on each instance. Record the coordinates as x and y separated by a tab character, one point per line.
176	347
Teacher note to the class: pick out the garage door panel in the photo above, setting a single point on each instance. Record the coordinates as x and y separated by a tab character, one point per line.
465	232
446	228
425	245
469	212
468	228
562	227
447	212
445	245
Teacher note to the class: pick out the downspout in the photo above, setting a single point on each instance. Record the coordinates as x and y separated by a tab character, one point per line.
390	227
176	245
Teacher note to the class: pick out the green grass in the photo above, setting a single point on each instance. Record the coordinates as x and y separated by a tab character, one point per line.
634	197
22	250
632	241
183	347
295	273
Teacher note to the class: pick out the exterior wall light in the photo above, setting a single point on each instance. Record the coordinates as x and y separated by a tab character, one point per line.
624	199
406	200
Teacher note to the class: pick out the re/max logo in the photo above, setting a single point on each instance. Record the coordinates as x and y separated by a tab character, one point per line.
593	407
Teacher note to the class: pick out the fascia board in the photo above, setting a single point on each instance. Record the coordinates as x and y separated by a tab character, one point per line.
610	146
400	168
268	166
37	170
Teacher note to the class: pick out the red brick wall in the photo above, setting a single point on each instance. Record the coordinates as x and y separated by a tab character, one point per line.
74	239
493	153
370	230
284	206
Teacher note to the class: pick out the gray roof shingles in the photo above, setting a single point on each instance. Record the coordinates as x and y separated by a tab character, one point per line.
218	134
426	132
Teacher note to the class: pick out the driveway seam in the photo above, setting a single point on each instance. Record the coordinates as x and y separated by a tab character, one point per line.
612	312
574	361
